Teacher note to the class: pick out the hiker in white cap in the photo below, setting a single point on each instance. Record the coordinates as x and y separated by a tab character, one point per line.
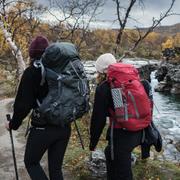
102	64
104	61
124	141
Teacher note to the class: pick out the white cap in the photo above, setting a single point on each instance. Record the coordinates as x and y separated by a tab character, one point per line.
104	61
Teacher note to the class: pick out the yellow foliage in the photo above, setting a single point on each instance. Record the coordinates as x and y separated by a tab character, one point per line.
152	37
168	44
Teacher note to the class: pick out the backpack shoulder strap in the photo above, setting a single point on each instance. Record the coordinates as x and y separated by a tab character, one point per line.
39	64
147	88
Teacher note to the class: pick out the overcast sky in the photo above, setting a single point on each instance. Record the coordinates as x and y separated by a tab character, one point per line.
144	16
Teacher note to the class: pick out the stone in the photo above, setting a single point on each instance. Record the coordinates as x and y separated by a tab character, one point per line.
97	163
162	87
170	74
175	89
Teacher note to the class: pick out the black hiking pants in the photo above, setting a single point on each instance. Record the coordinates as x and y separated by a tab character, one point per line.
124	143
51	139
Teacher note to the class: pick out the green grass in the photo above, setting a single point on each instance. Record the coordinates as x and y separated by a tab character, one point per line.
155	170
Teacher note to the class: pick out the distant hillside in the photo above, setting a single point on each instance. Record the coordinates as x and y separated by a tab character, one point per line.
163	30
171	30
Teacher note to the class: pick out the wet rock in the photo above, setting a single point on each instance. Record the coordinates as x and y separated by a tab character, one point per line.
162	87
161	73
169	77
175	88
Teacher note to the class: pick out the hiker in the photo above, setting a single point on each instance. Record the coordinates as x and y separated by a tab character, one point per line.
42	137
118	159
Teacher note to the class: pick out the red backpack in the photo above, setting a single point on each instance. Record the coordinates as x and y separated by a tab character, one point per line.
132	107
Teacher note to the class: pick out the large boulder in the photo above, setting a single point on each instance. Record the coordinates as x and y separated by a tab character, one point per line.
97	164
168	76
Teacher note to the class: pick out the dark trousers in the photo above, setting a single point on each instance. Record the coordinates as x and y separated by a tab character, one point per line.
124	143
51	139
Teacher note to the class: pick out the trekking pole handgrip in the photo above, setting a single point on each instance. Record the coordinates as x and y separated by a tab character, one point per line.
8	116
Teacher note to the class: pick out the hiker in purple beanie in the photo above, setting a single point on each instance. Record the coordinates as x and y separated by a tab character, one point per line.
42	137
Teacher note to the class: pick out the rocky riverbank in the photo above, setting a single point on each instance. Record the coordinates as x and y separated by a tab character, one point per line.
168	76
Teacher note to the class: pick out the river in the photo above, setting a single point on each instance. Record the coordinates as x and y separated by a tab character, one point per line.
166	116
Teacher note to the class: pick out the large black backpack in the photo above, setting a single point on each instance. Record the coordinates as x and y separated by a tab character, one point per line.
68	95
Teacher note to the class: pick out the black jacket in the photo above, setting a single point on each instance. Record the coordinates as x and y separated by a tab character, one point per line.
152	137
28	92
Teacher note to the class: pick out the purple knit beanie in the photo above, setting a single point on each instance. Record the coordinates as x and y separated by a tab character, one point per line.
37	47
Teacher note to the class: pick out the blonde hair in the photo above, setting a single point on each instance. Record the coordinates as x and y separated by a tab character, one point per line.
100	77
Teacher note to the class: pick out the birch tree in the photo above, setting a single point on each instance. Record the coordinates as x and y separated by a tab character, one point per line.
13	16
4	5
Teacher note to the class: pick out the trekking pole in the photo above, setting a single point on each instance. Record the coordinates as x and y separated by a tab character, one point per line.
13	150
81	141
156	108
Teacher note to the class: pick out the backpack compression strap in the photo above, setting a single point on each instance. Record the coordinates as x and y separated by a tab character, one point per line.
83	85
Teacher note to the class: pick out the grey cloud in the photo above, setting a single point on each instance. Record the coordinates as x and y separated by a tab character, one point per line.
152	8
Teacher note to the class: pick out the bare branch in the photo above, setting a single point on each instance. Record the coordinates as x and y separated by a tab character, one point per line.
141	35
123	21
155	23
76	17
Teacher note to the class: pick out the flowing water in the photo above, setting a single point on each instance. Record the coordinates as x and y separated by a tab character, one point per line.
166	115
166	108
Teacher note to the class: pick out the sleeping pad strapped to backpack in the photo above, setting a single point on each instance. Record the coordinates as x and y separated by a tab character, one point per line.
68	94
132	109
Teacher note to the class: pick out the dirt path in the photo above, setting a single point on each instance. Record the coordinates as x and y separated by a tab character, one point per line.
6	165
6	160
